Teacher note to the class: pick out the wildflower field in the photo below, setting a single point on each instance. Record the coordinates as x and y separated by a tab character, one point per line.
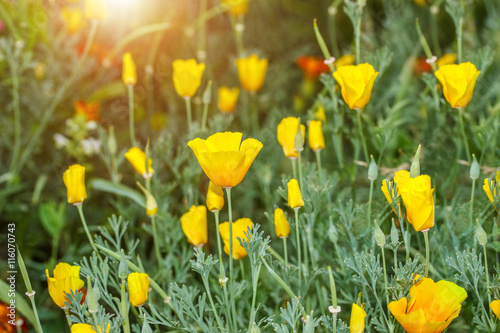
249	166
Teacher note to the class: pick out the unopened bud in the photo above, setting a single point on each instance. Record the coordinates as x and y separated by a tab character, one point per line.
378	234
299	139
474	168
151	204
145	327
123	267
112	146
92	297
394	234
415	165
372	170
482	237
207	94
255	329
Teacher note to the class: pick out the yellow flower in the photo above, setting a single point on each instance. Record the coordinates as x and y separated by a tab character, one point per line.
86	328
294	197
431	308
215	197
237	7
417	199
422	3
345	60
96	9
137	158
73	17
240	227
286	132
129	71
227	99
495	307
458	83
447	59
281	225
66	279
357	323
138	285
316	138
194	225
487	189
252	72
320	114
224	158
74	179
187	76
356	84
385	190
151	204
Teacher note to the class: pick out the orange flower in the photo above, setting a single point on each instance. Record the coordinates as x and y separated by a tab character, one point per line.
431	308
90	110
312	67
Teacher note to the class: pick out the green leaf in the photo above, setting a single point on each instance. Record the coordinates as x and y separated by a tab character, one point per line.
118	189
53	217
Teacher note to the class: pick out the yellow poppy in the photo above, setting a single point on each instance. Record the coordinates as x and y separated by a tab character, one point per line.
385	190
356	84
137	158
252	72
138	285
286	132
194	225
417	199
240	227
447	59
431	308
86	328
345	60
237	7
458	83
66	279
129	71
74	179
316	137
294	197
187	76
215	197
357	323
495	307
281	225
227	99
224	158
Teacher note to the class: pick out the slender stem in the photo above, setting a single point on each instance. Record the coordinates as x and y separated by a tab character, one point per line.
255	280
188	112
299	161
238	27
84	222
275	255
38	326
395	259
333	291
130	89
219	245
231	278
156	243
318	163
17	116
294	167
357	35
209	294
487	274
204	117
385	281
434	32
370	202
461	121
427	252
35	139
222	270
286	251
459	39
70	323
472	202
202	33
363	141
299	271
124	309
254	111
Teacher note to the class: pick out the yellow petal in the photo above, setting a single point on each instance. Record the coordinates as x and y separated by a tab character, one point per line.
281	225
294	195
357	323
194	225
215	197
495	307
74	179
138	285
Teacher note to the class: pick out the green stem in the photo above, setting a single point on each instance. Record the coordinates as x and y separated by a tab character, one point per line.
385	281
209	294
318	163
238	27
294	167
30	293
472	202
357	35
427	252
231	278
286	251
487	274
17	116
188	112
299	161
434	31
281	282
124	309
47	115
84	222
461	121
204	117
254	111
333	291
459	39
255	280
370	202
363	141
156	243
130	89
202	33
299	271
222	270
70	323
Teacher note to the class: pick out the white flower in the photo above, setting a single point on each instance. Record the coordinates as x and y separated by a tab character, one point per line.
91	146
91	125
60	140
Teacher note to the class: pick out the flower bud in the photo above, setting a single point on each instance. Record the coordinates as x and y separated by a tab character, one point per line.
145	327
122	267
137	158
215	197
281	225
316	137
415	165
151	205
299	139
482	237
394	234
92	297
129	71
138	285
207	94
372	170
378	234
255	329
74	179
474	168
294	197
227	99
112	146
